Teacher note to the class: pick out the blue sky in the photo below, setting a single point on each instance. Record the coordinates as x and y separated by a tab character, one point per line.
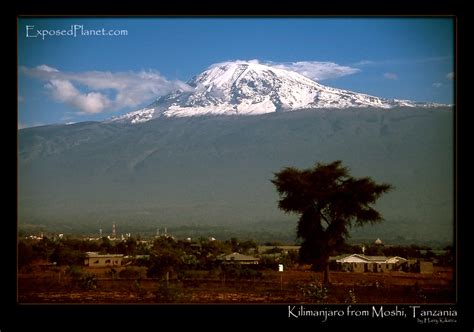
62	78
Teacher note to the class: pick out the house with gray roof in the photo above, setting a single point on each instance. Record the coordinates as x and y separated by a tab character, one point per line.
363	263
237	258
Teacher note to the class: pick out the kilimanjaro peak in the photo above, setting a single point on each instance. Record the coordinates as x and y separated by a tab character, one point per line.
250	88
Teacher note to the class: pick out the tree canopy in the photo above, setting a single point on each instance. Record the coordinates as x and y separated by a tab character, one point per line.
329	202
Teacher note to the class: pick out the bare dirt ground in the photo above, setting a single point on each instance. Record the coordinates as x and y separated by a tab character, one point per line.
292	286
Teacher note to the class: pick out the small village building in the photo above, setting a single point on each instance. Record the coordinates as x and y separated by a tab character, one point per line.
236	258
363	263
94	259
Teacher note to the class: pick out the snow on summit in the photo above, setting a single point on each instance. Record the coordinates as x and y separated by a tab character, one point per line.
249	88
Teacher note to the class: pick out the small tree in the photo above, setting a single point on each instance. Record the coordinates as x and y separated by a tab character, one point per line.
163	261
329	201
64	255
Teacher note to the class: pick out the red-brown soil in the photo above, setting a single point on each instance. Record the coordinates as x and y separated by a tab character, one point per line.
51	286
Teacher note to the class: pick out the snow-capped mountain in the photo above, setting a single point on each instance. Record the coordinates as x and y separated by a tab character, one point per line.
249	88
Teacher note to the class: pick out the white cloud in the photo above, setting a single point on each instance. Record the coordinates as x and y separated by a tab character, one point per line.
21	99
47	69
450	76
105	90
63	91
437	85
254	61
316	70
364	63
390	76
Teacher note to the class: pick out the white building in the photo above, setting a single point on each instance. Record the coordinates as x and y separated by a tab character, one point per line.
237	258
363	263
94	259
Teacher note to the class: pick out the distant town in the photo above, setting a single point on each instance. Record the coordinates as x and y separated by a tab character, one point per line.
118	267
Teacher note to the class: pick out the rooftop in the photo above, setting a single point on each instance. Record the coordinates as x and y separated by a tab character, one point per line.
237	257
91	254
354	258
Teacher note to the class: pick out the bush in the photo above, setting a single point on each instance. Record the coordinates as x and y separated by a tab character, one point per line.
352	298
274	250
64	255
89	281
315	292
268	262
75	272
289	259
237	271
420	294
168	293
248	273
130	272
165	261
80	278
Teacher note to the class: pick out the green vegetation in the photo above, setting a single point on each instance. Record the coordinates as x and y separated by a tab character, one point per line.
167	293
163	254
166	270
352	298
329	201
315	291
80	278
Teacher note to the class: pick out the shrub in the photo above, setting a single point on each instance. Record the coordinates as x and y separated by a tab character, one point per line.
165	261
130	272
89	281
80	278
237	271
75	272
168	293
315	292
352	298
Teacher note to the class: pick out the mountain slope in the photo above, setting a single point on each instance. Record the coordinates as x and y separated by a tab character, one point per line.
248	88
216	171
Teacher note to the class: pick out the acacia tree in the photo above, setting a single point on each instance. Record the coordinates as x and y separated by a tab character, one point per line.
329	201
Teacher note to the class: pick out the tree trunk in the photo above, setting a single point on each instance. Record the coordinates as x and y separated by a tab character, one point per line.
326	281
